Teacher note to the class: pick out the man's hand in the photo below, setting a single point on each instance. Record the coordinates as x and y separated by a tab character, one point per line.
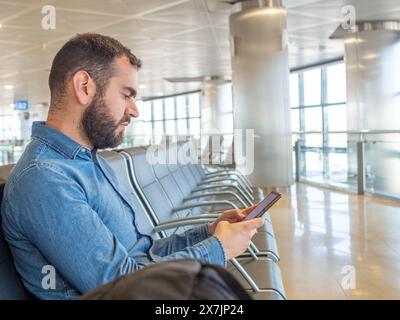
236	237
231	216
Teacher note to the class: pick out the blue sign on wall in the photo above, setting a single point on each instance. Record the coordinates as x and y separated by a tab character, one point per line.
21	105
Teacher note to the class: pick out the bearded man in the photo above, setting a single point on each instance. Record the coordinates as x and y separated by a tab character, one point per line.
63	207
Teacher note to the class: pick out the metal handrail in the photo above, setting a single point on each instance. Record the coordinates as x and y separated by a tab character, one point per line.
348	132
362	134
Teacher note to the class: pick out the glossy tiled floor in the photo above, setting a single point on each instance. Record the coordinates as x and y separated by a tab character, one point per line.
337	246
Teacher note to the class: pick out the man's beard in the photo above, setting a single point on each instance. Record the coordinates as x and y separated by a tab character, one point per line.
99	125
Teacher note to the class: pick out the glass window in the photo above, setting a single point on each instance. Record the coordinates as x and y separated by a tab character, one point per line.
314	163
295	114
137	127
169	108
147	111
148	129
194	125
139	105
173	115
158	113
182	126
181	106
314	140
10	127
322	145
158	128
194	105
313	119
294	90
336	83
337	140
170	127
312	87
338	163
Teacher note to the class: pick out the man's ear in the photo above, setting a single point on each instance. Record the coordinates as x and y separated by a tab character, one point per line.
83	87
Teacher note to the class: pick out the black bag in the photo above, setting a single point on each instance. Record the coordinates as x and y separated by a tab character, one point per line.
173	280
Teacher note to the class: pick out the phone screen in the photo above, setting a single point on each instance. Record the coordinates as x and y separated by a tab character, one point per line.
264	205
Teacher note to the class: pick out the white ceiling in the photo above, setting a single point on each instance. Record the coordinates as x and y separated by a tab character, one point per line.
174	38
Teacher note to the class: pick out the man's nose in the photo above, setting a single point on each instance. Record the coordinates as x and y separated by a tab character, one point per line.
132	110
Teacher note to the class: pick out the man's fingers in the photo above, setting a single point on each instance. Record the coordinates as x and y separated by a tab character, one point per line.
234	214
228	212
248	210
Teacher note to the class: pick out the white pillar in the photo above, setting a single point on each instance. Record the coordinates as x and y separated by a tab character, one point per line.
260	79
373	78
373	97
217	120
217	106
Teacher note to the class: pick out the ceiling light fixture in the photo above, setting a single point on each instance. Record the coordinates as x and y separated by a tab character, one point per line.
8	87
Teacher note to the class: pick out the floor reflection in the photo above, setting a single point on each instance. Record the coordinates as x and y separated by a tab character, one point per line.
322	234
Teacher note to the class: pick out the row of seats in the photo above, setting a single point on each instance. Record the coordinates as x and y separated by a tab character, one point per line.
171	192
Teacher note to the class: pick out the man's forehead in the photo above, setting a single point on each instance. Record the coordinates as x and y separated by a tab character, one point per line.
125	68
125	72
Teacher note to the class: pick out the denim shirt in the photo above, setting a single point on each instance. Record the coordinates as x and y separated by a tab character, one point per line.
71	226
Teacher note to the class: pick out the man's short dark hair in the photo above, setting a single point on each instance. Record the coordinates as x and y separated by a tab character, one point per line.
94	53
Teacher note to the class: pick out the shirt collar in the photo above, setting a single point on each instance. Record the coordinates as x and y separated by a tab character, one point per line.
59	141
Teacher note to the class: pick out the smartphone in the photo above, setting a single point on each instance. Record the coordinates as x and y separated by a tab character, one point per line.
263	205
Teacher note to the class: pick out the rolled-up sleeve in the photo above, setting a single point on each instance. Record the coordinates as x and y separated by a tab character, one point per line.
196	243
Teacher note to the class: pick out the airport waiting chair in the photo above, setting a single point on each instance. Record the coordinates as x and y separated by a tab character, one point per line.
199	179
183	182
155	196
172	184
197	174
178	190
199	183
214	170
268	281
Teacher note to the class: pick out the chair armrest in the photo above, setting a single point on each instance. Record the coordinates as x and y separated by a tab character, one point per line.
204	204
220	193
171	224
240	183
217	186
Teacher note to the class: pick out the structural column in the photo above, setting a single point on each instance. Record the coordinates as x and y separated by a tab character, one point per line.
373	98
260	80
217	122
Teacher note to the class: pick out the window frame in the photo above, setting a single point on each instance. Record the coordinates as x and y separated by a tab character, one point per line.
325	149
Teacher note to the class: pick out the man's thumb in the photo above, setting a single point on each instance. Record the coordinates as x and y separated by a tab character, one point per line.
255	223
